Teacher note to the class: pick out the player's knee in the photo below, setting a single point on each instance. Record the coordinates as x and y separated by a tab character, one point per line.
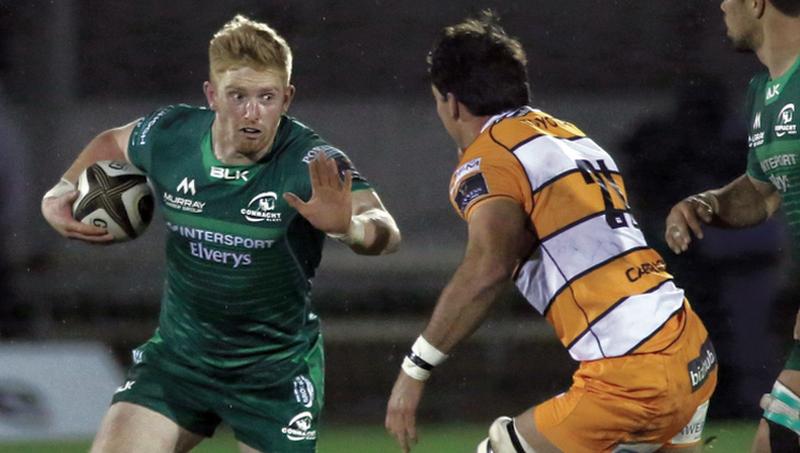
782	413
504	438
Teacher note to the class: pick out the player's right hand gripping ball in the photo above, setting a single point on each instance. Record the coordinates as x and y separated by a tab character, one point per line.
114	195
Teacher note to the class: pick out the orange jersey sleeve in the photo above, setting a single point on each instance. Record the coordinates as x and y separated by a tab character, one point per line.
488	170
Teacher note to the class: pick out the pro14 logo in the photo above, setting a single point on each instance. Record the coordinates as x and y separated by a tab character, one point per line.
260	208
303	391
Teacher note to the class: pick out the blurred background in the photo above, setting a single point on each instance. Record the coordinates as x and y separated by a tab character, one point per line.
655	83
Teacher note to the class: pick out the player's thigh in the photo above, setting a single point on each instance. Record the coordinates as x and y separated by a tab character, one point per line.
282	417
244	448
526	425
132	428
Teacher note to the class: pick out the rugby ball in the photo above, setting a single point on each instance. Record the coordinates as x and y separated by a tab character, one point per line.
114	195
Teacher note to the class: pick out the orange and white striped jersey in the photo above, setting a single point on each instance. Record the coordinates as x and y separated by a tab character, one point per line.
592	274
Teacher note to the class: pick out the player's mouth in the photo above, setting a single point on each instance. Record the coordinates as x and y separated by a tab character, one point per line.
250	131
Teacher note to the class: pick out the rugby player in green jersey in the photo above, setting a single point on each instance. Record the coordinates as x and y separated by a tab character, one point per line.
248	194
771	29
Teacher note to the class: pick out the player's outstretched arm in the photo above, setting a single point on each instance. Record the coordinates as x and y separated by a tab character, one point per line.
742	203
357	219
57	202
498	240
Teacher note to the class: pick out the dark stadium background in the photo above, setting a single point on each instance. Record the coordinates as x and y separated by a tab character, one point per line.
653	82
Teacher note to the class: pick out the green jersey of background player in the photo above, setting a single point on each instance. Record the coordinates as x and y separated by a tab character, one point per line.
248	195
770	28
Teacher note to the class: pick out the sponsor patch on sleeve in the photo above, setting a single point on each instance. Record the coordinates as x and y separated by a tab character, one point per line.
343	163
469	167
470	189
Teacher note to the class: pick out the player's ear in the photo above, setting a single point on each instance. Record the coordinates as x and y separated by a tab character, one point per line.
453	106
287	97
210	92
757	7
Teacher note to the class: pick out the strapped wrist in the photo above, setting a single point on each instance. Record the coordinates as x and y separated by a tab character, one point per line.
62	186
423	357
356	233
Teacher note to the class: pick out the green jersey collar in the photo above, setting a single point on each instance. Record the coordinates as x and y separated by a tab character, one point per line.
775	87
217	170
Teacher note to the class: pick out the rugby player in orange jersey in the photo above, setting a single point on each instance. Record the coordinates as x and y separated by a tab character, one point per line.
546	207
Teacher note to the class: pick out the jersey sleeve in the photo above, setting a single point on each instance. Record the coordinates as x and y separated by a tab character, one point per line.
145	136
492	174
343	163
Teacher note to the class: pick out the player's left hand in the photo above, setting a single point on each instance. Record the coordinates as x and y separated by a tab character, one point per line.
401	412
330	207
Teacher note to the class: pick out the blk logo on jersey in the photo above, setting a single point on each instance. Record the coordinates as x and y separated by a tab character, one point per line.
773	91
785	121
261	207
227	174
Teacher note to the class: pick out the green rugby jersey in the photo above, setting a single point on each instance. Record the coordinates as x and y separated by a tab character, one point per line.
774	141
240	260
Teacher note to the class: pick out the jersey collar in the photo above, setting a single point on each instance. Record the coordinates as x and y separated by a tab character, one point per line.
775	87
508	113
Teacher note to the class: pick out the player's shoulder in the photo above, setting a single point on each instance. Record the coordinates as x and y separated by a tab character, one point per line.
172	118
758	80
300	141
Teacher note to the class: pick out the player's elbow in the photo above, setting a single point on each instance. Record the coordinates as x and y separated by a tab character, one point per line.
393	244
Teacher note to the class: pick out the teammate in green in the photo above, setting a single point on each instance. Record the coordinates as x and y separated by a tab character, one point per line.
771	29
248	194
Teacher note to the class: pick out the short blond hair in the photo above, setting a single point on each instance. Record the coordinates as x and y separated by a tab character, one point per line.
243	42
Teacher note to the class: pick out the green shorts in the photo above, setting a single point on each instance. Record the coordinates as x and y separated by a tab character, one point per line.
273	418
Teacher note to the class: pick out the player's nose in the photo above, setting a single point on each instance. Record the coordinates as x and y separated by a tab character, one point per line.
252	110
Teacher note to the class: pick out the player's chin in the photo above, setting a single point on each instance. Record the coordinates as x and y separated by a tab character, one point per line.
251	147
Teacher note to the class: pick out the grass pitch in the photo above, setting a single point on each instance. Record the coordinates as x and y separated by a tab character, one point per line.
722	437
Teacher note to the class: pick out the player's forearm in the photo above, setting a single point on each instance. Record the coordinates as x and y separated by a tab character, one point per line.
740	205
380	234
102	147
465	303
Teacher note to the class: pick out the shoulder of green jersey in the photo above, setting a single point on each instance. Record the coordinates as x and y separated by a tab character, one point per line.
164	118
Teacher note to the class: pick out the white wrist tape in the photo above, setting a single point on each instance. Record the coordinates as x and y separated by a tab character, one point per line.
355	234
63	186
421	359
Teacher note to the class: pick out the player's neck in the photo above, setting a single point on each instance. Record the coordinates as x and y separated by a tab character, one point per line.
781	46
470	130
